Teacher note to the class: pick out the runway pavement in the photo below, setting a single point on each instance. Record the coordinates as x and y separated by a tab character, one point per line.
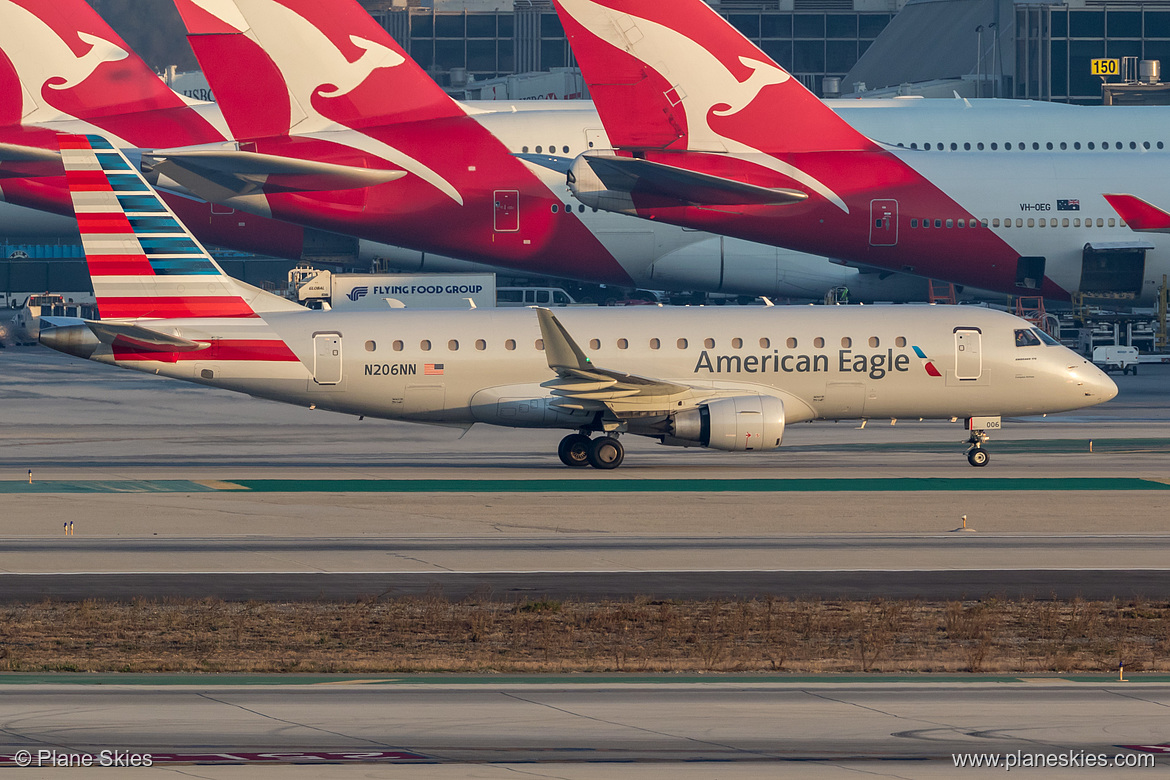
762	727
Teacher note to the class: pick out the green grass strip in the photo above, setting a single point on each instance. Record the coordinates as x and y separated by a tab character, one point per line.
599	483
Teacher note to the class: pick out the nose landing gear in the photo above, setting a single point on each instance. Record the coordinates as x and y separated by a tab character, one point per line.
976	455
604	452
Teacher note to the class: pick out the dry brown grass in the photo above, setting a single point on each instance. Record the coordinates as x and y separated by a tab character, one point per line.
640	635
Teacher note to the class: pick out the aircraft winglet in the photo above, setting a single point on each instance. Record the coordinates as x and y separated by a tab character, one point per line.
1140	215
559	348
582	382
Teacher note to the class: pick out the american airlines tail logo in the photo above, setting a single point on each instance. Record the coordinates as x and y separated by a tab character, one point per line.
703	84
357	292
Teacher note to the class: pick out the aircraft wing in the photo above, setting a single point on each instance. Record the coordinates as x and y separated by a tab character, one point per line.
218	174
584	385
633	175
1141	216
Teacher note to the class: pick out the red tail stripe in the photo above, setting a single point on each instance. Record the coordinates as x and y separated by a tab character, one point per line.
73	142
1139	214
119	265
226	349
103	223
87	181
174	308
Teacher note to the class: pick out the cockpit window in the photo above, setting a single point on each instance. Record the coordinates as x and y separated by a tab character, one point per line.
1046	338
1027	338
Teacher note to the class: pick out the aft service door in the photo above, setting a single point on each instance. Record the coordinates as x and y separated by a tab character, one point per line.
968	359
883	222
507	218
327	358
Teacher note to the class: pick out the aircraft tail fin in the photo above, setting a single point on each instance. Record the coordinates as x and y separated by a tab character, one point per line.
62	58
144	263
334	63
673	74
1141	216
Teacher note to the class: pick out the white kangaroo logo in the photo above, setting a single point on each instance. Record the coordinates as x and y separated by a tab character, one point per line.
764	74
43	59
100	51
374	57
701	80
309	62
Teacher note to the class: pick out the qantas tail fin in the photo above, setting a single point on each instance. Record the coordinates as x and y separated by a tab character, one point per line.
143	262
334	63
673	74
63	60
1141	216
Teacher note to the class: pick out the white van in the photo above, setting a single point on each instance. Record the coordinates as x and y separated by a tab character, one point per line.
1123	359
533	296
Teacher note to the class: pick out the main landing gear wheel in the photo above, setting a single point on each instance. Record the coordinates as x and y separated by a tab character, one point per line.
606	452
574	450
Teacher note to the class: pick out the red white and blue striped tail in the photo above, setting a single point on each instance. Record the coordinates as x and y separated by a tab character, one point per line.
143	261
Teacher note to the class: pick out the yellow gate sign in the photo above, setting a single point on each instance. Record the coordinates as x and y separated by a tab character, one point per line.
1104	67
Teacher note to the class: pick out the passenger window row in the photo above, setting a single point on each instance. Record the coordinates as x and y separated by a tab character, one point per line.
596	344
1035	146
552	149
1020	222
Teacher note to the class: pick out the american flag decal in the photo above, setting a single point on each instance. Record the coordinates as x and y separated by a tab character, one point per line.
432	369
1068	205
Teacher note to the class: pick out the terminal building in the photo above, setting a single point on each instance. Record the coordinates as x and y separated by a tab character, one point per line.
977	48
462	42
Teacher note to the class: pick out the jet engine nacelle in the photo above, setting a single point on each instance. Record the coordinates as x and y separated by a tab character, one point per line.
747	423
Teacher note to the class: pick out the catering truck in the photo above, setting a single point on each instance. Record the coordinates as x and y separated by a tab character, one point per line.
394	291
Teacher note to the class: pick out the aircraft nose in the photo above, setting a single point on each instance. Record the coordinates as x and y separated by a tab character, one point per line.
1096	384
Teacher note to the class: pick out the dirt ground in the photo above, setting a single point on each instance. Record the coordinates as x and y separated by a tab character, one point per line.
434	634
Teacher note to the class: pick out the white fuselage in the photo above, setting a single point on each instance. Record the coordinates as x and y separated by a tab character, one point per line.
460	367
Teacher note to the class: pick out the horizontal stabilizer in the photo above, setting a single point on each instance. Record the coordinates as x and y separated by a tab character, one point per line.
141	339
1140	215
218	174
18	153
633	175
551	161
